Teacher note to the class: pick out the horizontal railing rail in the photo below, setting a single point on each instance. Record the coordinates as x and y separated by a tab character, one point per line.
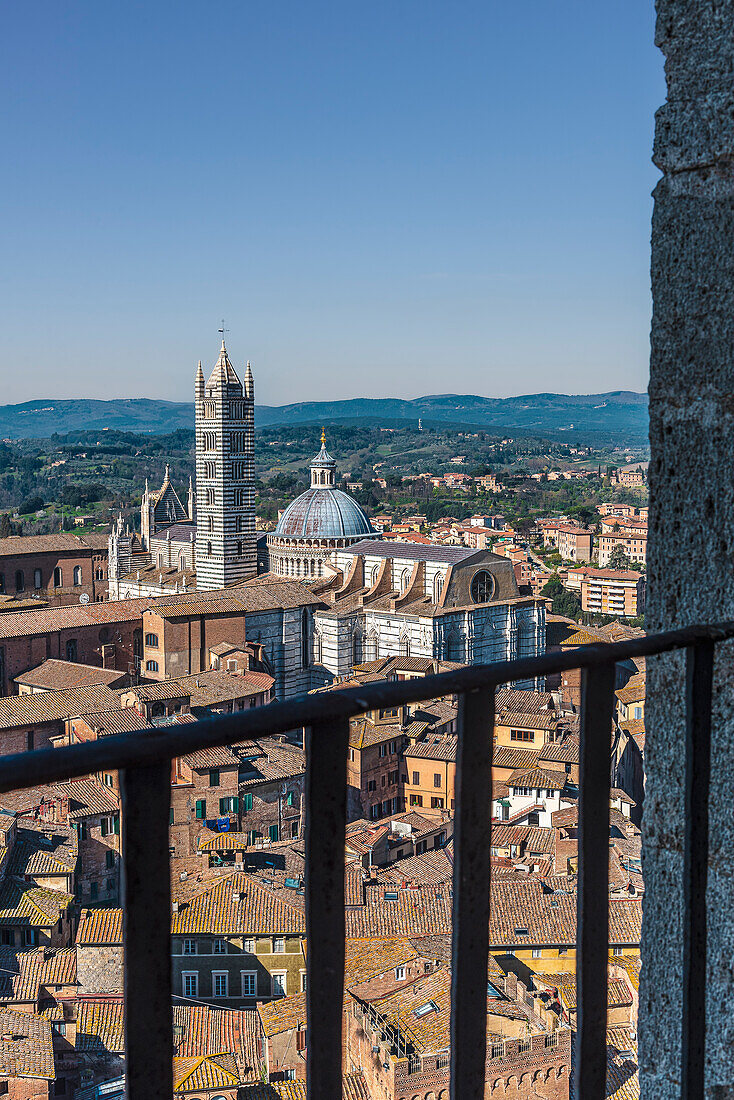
143	759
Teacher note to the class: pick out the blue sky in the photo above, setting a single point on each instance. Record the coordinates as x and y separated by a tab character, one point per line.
395	198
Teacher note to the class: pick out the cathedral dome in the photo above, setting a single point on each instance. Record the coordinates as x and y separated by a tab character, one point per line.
323	513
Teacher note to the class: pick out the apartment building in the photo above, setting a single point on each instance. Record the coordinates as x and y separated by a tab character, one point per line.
630	534
617	592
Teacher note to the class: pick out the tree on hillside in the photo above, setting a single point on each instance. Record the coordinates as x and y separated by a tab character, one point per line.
564	602
5	526
618	559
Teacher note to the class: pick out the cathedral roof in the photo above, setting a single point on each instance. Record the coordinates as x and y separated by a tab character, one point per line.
223	373
323	458
324	513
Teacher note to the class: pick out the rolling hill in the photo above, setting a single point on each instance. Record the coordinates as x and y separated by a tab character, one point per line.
621	414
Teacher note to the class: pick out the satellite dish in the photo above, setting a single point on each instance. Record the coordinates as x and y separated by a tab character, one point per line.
84	598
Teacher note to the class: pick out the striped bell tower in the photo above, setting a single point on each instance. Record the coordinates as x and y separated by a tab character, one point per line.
225	497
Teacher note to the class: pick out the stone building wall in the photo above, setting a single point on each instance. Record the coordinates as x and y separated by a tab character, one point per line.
99	968
691	523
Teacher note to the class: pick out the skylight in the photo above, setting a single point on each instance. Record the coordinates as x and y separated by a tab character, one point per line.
423	1010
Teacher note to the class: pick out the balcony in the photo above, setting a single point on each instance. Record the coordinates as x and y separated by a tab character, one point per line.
144	760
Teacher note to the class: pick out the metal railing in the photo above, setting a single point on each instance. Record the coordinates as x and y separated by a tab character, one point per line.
144	762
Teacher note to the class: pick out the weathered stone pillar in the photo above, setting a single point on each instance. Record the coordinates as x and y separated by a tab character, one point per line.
691	561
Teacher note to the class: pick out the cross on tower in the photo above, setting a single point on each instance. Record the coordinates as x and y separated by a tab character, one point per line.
222	329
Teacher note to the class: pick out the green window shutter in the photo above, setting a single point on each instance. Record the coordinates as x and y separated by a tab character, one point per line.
235	804
247	802
291	798
117	825
273	832
201	808
103	826
171	818
222	805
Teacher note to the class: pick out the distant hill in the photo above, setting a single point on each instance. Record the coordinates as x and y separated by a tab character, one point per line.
622	414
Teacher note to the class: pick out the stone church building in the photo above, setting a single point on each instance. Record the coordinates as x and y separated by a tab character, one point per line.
374	598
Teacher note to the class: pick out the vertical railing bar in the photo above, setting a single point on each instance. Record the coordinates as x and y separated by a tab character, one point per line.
592	932
326	820
699	685
146	800
472	841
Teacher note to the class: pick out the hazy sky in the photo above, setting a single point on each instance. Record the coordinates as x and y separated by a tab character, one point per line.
398	197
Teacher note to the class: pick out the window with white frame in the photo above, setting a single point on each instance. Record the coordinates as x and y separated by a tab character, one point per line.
189	947
220	983
249	944
304	981
190	983
399	973
280	983
249	983
279	945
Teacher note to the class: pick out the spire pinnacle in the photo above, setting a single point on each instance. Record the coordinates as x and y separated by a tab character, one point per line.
323	437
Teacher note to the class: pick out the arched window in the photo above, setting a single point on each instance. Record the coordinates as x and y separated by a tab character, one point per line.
181	562
404	577
210	469
318	647
151	640
151	666
240	523
525	639
161	561
239	498
209	549
19	580
210	496
454	647
373	575
482	586
58	577
239	549
210	524
77	574
405	646
321	568
357	648
372	649
437	587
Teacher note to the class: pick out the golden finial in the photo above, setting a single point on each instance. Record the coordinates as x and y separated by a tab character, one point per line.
323	437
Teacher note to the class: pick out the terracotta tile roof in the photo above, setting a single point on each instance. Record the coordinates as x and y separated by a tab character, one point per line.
504	756
54	675
537	778
26	1046
435	748
41	850
217	757
634	689
428	1032
623	1082
223	842
32	906
520	903
106	723
354	1087
99	926
256	909
249	596
366	959
524	702
206	1032
54	706
87	797
561	752
278	760
434	866
23	624
206	689
215	1072
22	973
100	1025
283	1015
531	838
56	543
518	720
